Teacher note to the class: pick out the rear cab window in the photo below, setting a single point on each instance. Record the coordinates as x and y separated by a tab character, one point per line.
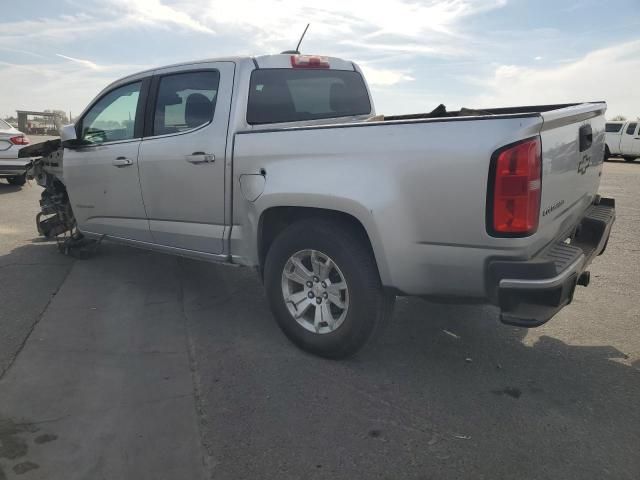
293	95
613	127
185	101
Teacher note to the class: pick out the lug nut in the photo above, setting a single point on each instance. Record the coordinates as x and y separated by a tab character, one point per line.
309	284
325	295
318	300
324	284
310	295
316	279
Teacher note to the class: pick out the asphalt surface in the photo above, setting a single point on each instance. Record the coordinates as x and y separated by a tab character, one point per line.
148	366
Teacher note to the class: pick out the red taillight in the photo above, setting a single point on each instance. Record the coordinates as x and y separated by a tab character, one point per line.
19	140
516	189
309	61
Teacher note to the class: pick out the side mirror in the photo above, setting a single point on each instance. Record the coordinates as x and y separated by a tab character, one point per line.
68	136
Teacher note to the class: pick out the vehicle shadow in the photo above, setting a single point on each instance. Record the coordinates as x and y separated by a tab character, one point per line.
621	160
7	188
446	392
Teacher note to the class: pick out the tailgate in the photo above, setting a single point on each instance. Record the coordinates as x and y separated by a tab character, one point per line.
572	155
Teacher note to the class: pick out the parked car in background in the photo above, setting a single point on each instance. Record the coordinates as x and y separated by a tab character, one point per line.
622	140
11	167
280	163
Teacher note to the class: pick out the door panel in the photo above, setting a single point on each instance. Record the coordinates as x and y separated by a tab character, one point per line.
182	163
102	176
628	141
635	146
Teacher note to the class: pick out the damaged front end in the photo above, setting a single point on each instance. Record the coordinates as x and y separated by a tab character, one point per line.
56	219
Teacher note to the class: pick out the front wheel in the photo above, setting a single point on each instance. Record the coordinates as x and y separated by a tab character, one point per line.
607	153
323	288
630	159
18	180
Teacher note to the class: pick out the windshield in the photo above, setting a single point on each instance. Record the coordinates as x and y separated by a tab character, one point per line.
290	95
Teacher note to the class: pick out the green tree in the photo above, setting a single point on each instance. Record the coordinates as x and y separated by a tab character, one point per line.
619	118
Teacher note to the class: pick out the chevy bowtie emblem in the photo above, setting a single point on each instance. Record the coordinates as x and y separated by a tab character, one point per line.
583	164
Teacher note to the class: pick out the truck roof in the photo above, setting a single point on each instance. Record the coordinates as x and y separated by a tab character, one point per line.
263	61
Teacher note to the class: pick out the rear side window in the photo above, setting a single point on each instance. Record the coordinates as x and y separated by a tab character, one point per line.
185	101
631	128
292	95
613	127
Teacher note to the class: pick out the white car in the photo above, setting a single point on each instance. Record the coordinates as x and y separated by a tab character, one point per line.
11	167
622	140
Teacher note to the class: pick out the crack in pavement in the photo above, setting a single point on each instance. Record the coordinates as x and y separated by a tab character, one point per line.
199	404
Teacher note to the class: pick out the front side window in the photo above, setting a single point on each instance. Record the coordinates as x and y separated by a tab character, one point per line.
185	101
113	117
631	128
291	95
613	127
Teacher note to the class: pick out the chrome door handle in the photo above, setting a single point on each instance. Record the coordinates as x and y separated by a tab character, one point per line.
200	157
122	162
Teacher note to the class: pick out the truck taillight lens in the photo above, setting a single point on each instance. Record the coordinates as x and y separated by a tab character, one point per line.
19	140
517	186
309	61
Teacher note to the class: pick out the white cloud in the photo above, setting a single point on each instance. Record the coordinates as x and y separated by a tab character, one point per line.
155	13
377	33
86	63
65	85
361	21
384	76
609	74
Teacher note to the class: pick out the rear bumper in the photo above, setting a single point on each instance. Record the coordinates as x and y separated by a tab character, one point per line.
530	292
13	167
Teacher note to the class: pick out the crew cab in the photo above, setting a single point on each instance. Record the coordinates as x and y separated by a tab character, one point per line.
280	163
12	168
622	140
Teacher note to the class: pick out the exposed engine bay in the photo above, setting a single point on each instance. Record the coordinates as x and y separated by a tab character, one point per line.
56	219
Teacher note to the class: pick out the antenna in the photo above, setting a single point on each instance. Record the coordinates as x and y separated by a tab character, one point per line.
297	50
303	34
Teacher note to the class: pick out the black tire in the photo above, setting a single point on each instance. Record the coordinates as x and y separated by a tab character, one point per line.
629	159
607	153
18	180
369	306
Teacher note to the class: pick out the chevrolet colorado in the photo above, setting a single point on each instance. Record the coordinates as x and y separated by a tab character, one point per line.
280	163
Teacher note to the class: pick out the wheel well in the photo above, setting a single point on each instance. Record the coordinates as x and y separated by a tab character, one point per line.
276	219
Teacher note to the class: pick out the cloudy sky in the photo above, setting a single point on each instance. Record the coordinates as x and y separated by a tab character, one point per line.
416	53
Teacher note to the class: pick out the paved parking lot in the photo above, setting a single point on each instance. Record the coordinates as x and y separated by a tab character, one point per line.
134	365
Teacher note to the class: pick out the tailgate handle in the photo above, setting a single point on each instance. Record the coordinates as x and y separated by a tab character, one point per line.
586	137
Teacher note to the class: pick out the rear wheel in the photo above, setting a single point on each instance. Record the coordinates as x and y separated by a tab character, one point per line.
607	153
18	180
629	159
324	289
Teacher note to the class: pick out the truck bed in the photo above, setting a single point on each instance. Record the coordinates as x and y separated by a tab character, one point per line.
418	184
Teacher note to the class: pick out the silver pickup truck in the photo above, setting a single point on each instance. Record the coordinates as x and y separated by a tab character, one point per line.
280	163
